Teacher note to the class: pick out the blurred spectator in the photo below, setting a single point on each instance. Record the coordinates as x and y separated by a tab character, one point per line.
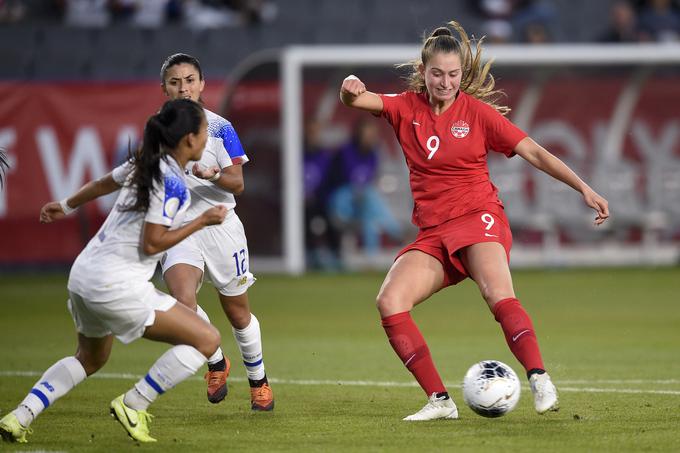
150	13
493	9
659	21
203	15
85	13
535	21
530	21
497	31
536	33
253	11
12	11
145	13
496	14
356	202
322	241
122	10
227	13
622	25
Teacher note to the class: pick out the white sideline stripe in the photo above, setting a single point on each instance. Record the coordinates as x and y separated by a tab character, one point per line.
130	376
360	383
634	391
621	381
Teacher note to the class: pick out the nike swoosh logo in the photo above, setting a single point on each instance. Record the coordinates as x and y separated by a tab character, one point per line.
416	123
133	423
490	235
515	337
409	360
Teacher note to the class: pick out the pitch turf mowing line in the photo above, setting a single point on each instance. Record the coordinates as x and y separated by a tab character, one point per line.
276	381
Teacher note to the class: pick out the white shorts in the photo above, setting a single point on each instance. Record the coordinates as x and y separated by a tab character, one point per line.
126	318
220	251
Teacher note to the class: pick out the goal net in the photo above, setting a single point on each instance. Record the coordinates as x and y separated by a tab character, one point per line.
610	112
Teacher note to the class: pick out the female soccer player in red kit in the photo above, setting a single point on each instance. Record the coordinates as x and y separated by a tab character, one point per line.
446	124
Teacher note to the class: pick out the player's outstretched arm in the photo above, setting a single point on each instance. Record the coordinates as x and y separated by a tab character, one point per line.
353	94
55	210
158	238
540	158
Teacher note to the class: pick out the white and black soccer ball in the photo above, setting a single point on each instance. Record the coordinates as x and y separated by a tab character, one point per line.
491	388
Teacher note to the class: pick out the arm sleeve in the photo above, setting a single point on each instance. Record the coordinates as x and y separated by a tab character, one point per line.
166	199
234	150
121	172
501	135
393	105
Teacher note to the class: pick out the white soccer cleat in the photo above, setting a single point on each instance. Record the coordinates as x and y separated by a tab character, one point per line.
434	409
545	393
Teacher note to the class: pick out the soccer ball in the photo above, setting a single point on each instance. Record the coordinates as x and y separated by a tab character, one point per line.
491	388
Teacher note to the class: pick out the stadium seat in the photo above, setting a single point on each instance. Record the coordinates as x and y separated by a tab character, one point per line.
622	193
65	53
17	48
334	31
511	176
663	191
121	52
564	205
220	50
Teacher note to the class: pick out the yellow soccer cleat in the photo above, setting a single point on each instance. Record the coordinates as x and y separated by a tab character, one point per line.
136	423
12	431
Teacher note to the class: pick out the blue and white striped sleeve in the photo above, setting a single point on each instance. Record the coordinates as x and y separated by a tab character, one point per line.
232	144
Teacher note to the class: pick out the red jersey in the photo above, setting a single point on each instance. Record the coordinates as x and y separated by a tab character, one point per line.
446	154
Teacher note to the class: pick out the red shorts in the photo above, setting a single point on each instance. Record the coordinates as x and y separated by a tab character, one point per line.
444	241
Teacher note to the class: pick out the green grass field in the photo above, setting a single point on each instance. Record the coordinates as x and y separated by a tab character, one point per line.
610	338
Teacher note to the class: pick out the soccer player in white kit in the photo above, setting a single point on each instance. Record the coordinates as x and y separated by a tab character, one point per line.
109	289
220	252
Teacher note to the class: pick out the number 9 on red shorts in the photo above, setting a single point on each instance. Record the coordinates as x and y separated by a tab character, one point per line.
445	240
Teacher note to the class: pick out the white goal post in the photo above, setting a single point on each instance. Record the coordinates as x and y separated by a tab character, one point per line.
295	59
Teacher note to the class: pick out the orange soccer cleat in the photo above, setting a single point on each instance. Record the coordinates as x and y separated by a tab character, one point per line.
217	383
262	398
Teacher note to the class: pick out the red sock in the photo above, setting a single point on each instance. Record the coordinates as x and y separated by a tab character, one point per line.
410	346
519	333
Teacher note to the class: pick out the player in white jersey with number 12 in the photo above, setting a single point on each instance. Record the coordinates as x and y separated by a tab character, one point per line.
109	288
220	252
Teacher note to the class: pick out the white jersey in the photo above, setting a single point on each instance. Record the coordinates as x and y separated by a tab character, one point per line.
113	263
223	149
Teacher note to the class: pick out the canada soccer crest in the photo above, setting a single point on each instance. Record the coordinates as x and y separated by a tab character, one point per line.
460	129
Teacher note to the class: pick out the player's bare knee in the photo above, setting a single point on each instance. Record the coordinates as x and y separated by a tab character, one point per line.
381	301
210	341
389	304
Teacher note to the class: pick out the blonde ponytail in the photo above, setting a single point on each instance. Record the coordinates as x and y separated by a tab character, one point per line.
477	80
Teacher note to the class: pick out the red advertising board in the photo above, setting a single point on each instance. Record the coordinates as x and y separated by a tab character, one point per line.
60	136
